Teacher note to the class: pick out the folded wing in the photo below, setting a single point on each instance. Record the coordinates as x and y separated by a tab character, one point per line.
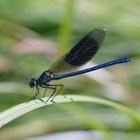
81	53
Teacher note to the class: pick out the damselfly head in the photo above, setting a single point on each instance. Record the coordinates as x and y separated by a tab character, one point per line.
32	82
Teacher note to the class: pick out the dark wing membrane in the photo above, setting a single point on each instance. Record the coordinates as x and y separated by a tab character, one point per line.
81	53
60	65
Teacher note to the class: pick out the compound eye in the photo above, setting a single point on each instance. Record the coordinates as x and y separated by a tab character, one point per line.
32	82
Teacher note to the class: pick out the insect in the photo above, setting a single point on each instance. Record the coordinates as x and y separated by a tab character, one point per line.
80	54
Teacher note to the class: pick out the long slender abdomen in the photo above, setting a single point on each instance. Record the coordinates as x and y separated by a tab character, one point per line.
60	76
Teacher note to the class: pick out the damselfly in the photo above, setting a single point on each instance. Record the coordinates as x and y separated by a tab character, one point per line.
80	54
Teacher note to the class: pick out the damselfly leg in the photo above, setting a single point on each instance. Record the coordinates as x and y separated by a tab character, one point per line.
55	90
36	94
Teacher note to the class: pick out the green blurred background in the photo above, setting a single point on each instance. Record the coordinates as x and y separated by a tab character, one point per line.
33	34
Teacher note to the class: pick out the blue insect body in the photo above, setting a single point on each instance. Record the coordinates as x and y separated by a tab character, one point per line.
45	78
80	54
60	76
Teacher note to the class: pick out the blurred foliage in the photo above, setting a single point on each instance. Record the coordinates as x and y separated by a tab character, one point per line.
59	24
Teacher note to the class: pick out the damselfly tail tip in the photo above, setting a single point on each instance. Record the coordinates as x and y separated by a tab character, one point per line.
127	59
